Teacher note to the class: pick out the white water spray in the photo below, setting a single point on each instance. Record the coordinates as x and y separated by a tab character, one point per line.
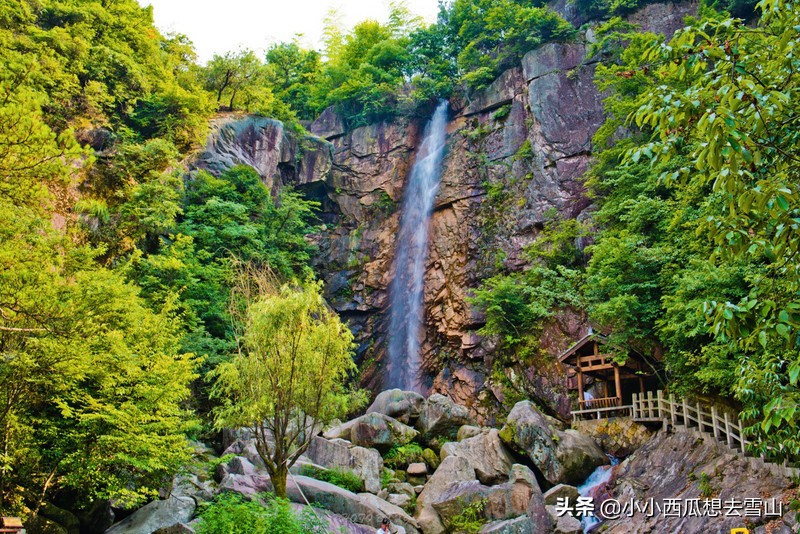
406	312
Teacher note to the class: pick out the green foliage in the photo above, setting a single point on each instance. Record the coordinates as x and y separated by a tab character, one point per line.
291	72
95	380
517	304
525	151
294	358
399	67
707	490
399	456
501	113
344	478
232	215
387	476
471	519
95	73
490	36
229	513
216	462
242	81
733	113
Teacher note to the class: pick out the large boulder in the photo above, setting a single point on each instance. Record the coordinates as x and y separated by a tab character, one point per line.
239	465
156	515
485	453
441	416
564	523
247	485
365	463
618	436
177	528
560	491
501	502
279	156
460	496
452	470
328	125
468	431
335	522
579	455
341	431
98	517
519	525
529	432
396	515
562	456
197	486
63	518
363	508
380	431
405	406
247	449
42	525
401	488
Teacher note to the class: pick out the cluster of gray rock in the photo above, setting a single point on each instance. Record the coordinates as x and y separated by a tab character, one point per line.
463	469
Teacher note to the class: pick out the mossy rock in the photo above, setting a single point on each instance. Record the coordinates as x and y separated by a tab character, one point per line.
431	459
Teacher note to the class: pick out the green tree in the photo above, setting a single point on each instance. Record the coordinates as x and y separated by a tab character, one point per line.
490	36
232	75
94	381
725	96
225	216
288	378
291	73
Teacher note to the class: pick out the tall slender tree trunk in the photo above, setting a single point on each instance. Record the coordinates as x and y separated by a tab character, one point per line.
233	97
279	480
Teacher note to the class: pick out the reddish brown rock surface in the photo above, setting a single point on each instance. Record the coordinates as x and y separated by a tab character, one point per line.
528	135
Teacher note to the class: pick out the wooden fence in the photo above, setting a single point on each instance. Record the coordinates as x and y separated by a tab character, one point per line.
722	425
605	402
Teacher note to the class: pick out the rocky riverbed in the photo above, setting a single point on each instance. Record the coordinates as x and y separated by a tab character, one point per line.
423	463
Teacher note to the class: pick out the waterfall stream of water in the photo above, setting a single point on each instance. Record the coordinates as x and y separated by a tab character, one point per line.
597	479
406	312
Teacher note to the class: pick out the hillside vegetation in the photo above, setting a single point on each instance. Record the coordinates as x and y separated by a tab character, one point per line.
117	266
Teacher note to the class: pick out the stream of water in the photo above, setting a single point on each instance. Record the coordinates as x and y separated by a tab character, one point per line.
598	478
406	312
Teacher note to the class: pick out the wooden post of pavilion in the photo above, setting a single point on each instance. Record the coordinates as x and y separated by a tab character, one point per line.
580	389
617	385
641	385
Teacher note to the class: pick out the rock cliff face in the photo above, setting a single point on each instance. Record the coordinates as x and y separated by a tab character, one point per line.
516	155
684	466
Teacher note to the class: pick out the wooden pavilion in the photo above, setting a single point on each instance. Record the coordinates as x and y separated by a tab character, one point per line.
588	359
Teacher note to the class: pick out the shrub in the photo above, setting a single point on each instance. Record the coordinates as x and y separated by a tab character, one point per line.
344	478
401	455
707	490
470	520
229	513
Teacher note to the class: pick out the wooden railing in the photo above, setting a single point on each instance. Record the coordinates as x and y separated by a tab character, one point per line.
710	421
605	402
725	427
603	407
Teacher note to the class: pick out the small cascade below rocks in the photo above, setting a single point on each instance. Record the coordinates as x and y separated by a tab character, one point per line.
591	488
406	312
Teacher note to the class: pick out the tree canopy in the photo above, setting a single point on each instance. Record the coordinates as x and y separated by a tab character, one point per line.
288	378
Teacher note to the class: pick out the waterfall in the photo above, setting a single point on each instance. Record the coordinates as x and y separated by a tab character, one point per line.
599	478
406	313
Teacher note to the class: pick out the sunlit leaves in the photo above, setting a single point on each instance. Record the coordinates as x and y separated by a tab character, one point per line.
728	97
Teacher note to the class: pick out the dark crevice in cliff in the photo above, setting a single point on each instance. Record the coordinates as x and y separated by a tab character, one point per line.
449	203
